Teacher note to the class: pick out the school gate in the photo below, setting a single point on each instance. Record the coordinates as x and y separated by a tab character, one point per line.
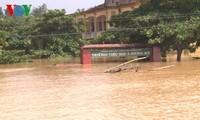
119	50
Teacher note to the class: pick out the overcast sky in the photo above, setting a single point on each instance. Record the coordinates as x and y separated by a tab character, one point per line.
70	5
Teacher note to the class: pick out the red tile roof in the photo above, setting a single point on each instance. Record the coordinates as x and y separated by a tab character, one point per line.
104	46
125	2
120	3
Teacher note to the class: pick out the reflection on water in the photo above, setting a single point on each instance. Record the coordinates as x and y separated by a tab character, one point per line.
42	91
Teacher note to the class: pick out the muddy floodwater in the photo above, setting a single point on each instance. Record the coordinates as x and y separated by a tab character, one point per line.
43	91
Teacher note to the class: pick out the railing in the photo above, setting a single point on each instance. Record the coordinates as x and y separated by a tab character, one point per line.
89	35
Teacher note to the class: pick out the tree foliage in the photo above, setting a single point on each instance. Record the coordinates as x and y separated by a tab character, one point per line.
39	11
173	24
62	33
1	13
43	34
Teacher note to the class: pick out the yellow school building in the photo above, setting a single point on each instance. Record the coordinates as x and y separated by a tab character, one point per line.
96	18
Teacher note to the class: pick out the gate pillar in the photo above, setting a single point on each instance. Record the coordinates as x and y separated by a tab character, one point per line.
156	54
85	56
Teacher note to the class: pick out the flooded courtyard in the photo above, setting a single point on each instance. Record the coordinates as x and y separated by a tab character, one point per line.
43	91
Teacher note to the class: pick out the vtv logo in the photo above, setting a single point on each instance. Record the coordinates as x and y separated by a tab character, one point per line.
18	10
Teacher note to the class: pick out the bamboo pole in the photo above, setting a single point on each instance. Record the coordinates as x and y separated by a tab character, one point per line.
125	64
160	68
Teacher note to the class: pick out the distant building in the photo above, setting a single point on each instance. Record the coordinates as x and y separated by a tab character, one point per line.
95	19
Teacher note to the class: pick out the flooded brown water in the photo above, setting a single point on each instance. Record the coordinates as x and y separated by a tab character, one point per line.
41	91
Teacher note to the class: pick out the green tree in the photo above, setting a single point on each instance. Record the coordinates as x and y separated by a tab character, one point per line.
3	33
80	10
12	44
39	11
1	13
172	24
51	33
19	29
3	42
58	33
